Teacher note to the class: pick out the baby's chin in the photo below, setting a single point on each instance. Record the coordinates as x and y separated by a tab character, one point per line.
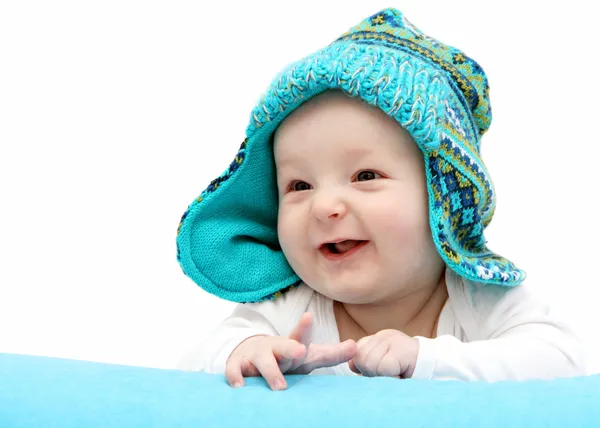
354	294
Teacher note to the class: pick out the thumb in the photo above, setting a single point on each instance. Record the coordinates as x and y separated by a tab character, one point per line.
303	331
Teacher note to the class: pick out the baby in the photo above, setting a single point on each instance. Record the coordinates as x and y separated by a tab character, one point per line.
350	227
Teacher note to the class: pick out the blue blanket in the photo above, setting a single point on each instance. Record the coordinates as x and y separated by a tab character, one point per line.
50	392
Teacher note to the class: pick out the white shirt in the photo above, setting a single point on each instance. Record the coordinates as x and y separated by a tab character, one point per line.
485	332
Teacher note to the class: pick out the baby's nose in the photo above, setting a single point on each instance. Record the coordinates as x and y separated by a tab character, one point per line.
328	206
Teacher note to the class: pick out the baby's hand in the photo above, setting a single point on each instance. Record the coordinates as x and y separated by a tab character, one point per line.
271	356
387	353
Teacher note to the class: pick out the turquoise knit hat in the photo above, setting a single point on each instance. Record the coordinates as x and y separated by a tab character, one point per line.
227	238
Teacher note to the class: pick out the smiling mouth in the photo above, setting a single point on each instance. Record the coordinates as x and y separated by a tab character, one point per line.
343	249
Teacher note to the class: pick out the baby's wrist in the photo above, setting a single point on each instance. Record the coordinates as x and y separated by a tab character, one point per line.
413	356
425	358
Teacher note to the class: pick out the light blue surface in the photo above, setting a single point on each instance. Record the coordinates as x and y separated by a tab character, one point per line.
47	392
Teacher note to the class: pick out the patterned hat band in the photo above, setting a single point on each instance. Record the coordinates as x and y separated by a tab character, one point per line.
435	92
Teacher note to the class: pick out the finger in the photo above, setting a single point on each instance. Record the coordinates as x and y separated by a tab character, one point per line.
288	349
373	359
353	366
266	364
289	354
233	373
303	331
369	356
389	366
363	346
363	341
319	356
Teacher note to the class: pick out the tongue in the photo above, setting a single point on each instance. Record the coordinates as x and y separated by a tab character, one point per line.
344	246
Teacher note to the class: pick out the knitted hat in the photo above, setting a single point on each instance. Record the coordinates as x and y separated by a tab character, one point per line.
227	238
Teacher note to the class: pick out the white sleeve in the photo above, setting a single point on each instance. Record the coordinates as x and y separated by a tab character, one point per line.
272	318
510	335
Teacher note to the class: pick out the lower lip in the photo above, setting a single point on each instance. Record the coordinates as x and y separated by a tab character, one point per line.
334	257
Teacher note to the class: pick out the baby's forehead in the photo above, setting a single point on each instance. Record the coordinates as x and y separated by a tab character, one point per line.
329	110
332	101
347	122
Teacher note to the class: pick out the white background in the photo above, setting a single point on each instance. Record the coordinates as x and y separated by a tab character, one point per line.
115	115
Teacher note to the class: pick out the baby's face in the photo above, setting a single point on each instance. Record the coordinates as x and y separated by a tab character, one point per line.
353	212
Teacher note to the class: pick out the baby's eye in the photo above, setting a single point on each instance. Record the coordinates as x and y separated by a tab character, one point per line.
298	186
367	175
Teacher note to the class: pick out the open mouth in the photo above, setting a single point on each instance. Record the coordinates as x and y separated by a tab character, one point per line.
336	250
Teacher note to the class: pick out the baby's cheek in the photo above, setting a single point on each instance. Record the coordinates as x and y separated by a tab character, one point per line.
291	234
401	220
285	233
402	234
